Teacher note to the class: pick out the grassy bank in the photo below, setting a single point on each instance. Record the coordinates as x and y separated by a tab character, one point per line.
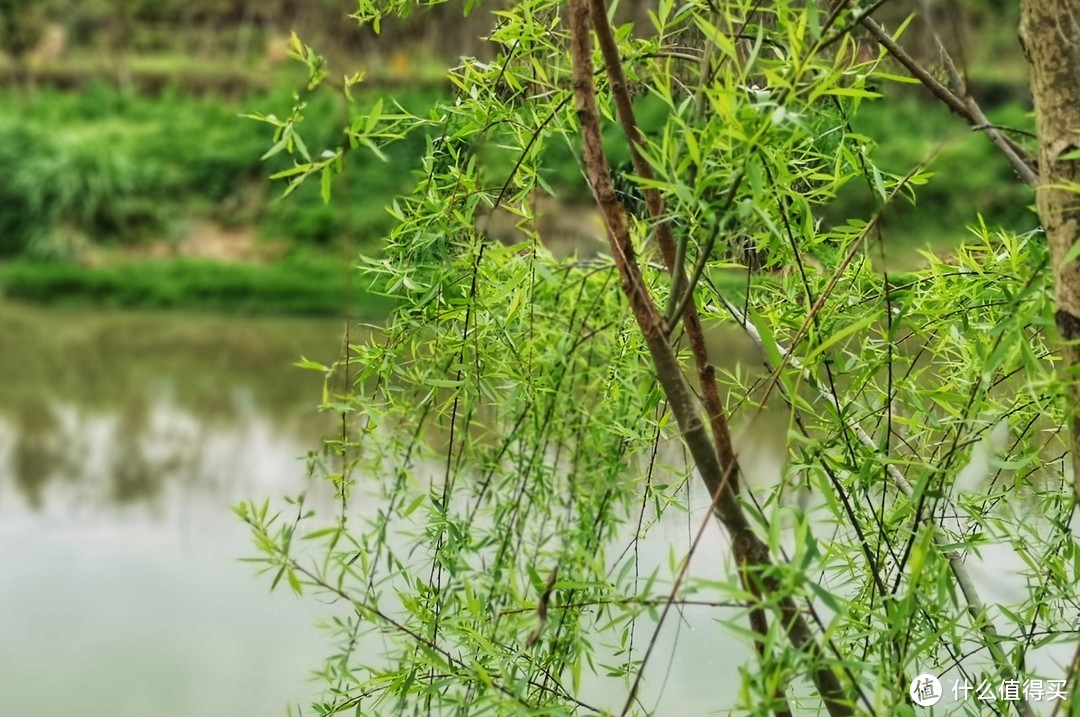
102	166
312	286
98	180
101	172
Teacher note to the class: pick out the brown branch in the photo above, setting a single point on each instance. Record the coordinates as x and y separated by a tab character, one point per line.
715	462
625	602
966	107
682	299
710	394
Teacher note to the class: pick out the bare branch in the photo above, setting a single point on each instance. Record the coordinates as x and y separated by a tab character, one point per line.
966	107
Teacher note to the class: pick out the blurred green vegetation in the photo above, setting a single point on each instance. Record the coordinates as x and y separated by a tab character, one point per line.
107	166
132	135
970	176
308	285
105	169
91	176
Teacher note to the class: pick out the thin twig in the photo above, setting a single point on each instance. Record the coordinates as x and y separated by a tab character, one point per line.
682	299
975	606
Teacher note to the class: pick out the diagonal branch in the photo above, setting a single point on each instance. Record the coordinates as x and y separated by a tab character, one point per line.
706	375
1020	159
749	551
682	299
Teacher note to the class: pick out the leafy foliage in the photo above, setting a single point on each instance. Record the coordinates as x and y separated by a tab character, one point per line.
134	167
506	450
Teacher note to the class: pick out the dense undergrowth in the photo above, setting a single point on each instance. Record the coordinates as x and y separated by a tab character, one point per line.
102	173
116	167
105	170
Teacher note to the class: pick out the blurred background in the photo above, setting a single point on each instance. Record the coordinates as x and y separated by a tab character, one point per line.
155	293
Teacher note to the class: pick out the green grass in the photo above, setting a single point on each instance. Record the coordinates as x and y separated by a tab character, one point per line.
309	286
103	167
116	167
100	168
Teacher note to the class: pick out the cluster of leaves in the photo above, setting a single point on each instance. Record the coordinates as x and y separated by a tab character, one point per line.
508	428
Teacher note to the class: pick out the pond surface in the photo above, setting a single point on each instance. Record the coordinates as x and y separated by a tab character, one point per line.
125	438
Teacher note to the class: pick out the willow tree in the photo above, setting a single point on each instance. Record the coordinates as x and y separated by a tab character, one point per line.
523	423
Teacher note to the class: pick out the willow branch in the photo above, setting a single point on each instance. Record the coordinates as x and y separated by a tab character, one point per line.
373	613
710	393
681	302
975	607
966	107
678	276
681	298
749	551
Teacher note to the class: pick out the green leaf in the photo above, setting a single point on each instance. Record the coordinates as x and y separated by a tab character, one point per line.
294	582
1072	254
722	42
292	171
896	78
276	149
373	117
768	341
322	532
325	185
277	578
840	335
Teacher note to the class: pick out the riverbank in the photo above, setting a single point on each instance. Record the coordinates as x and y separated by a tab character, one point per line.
118	199
110	195
322	286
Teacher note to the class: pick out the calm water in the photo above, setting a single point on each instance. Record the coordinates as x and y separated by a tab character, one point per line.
124	440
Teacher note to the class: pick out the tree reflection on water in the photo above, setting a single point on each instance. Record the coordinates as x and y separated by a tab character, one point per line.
115	406
124	440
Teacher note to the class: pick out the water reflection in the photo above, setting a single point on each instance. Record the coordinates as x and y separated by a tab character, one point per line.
124	440
140	400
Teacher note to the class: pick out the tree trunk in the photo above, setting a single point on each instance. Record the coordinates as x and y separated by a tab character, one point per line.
1049	30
